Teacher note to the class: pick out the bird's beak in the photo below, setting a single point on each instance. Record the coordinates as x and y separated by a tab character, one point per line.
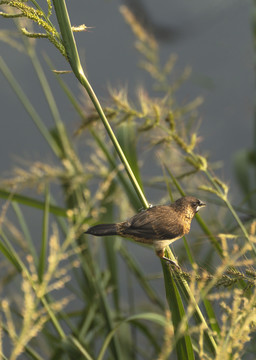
200	205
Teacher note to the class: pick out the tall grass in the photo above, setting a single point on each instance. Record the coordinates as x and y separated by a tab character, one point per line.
66	297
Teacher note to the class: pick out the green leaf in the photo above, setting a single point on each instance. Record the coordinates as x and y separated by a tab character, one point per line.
183	345
28	201
211	316
43	252
127	137
6	250
25	230
243	166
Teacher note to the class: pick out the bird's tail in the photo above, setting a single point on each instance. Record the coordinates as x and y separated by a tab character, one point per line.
102	230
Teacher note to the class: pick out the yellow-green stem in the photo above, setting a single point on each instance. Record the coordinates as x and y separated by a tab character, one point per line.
73	57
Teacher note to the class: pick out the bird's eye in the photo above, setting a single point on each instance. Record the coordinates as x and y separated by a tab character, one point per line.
196	206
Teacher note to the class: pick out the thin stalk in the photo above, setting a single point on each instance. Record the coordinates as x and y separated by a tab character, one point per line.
28	201
46	18
232	210
49	96
44	242
29	107
199	316
81	348
73	57
53	318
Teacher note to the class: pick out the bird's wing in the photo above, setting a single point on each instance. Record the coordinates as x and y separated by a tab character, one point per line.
159	223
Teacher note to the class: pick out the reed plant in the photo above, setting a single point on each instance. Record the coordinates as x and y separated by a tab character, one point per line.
62	293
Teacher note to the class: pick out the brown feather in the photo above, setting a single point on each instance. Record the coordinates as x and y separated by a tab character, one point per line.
159	225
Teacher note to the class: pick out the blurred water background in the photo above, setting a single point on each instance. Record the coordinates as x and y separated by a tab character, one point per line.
214	38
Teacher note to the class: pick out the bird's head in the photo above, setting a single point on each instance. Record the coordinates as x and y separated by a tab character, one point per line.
189	204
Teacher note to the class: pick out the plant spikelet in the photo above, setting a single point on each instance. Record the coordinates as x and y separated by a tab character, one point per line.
136	27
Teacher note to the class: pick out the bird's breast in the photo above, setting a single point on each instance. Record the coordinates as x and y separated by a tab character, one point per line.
186	222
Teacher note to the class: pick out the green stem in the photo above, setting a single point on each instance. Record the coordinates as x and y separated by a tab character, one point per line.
53	319
73	57
233	212
231	209
29	107
83	351
223	195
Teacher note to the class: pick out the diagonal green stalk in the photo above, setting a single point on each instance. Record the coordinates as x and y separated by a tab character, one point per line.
224	197
153	317
28	106
73	57
232	210
48	95
83	351
28	201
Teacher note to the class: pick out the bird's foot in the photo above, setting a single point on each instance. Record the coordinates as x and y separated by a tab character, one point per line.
172	262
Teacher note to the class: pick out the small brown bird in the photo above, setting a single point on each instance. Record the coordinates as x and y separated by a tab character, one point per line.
158	225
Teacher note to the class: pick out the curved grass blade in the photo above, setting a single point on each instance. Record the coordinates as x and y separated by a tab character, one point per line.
28	201
134	268
127	138
156	318
28	106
